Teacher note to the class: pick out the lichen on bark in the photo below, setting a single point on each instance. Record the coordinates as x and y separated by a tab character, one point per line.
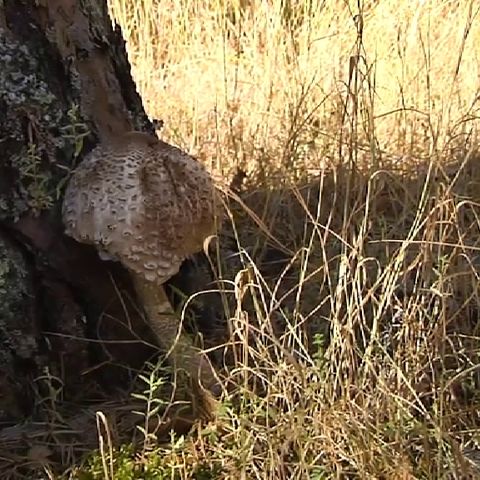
19	349
41	132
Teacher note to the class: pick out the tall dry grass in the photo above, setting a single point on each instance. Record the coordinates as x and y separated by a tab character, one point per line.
235	81
353	308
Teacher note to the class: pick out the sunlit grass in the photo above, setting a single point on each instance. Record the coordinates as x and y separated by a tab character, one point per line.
234	80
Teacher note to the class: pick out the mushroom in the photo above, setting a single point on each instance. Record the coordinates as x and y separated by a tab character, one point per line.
148	205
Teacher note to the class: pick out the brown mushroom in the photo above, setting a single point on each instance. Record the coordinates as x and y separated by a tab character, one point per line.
148	205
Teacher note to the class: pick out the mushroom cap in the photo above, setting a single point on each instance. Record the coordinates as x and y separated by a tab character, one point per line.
143	202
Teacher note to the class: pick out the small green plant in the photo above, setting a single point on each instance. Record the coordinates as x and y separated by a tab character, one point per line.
319	473
319	344
35	180
125	467
153	403
74	133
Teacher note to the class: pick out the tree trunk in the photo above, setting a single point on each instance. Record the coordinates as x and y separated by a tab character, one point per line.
65	84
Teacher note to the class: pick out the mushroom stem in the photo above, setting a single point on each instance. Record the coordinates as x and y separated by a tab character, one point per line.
167	328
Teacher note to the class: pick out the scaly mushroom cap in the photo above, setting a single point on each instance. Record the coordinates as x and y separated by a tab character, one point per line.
142	201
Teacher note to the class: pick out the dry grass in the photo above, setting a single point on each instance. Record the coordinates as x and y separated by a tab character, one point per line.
353	307
238	82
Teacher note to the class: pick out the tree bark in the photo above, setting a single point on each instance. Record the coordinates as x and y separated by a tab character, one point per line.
65	84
